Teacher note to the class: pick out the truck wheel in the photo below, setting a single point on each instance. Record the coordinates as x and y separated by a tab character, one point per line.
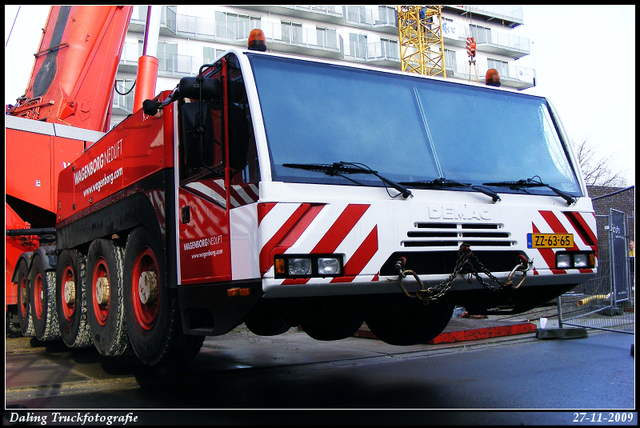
43	300
331	322
104	298
24	308
265	322
420	324
152	313
71	299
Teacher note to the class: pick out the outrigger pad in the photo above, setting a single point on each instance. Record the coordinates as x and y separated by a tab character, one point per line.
561	333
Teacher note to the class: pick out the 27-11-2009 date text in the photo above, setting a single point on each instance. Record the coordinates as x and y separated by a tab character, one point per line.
604	417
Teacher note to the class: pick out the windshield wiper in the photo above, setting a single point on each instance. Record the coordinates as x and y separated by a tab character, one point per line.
530	182
341	168
445	182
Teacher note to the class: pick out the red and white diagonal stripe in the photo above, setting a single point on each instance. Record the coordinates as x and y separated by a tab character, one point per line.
348	229
581	225
239	194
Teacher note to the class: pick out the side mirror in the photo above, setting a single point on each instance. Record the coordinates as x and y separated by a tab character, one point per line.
150	107
192	87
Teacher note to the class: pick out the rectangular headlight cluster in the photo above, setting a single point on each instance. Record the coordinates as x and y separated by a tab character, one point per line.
575	260
308	265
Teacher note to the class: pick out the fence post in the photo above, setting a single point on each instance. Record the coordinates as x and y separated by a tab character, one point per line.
559	303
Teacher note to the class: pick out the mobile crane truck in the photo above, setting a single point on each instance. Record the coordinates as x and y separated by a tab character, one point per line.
278	191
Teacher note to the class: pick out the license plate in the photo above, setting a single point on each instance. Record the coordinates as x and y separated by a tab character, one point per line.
549	240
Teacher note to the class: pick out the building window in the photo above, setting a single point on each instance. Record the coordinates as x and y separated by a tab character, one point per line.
139	13
210	54
450	61
501	66
481	34
124	95
390	49
358	14
168	57
327	37
387	15
168	17
358	45
234	25
291	32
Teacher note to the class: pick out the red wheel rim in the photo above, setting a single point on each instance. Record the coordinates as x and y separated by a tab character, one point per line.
146	313
24	305
38	295
68	308
101	311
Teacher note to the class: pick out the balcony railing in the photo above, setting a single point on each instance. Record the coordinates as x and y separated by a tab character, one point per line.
123	104
387	18
509	41
512	76
510	15
169	64
378	52
301	37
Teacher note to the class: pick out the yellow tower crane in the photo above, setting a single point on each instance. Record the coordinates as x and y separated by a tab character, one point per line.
421	43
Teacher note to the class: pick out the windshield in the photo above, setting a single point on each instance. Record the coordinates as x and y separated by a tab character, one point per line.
406	128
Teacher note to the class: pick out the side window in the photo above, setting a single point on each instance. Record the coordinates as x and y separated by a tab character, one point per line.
199	160
244	171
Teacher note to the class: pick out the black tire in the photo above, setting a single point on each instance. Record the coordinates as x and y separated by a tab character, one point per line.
106	313
24	306
265	322
153	317
419	324
43	301
331	321
72	303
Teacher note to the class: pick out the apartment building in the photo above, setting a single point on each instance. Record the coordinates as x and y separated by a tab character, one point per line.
192	35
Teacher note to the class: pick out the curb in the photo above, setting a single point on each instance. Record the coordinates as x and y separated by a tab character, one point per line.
452	335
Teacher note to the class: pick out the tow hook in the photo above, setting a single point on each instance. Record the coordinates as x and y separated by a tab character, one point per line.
400	264
524	265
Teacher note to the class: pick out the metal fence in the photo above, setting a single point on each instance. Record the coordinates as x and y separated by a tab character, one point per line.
606	302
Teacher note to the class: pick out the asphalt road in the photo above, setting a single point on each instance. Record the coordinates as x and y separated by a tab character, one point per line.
243	379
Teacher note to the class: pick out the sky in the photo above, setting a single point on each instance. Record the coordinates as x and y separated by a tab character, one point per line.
583	56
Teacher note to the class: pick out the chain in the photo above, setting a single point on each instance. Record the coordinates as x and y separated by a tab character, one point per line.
464	264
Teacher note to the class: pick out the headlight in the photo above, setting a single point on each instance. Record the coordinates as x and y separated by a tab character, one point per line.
580	261
563	260
308	265
299	266
575	260
328	266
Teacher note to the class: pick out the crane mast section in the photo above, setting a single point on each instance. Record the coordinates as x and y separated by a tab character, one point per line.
421	40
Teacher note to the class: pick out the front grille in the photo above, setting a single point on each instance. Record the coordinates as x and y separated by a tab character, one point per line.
454	234
443	262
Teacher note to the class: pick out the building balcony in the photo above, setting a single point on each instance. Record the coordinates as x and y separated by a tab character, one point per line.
512	76
122	104
505	44
169	64
356	16
300	40
376	54
168	15
316	13
510	16
494	42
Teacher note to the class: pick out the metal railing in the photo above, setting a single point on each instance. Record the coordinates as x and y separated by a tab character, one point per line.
593	305
606	302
